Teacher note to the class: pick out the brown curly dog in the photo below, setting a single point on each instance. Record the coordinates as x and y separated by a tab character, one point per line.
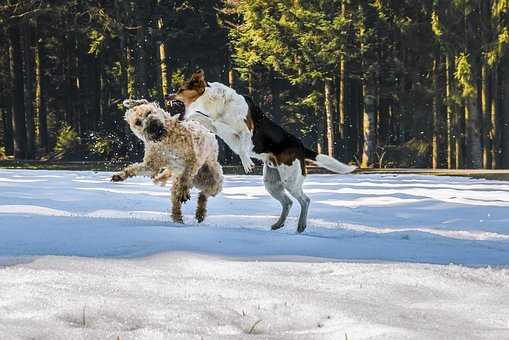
184	151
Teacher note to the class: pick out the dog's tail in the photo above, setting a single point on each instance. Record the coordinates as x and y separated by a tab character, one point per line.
327	162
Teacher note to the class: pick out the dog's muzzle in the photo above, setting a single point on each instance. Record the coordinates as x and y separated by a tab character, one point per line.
177	108
155	130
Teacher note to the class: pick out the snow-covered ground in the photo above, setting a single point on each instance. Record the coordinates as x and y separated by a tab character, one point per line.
375	261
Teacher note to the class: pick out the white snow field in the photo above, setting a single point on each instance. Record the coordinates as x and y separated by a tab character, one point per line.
384	257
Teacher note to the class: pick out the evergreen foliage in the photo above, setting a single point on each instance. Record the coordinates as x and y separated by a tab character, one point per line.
367	81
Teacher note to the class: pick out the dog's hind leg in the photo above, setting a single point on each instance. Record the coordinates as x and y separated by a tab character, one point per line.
201	208
292	179
304	201
273	184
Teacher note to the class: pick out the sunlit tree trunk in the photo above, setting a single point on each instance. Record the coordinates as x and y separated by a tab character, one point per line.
504	75
250	84
486	117
495	121
163	59
40	94
344	118
369	85
451	136
344	129
329	113
79	99
231	78
368	125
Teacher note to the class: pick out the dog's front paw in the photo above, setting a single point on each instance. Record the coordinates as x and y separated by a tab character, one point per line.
248	164
118	177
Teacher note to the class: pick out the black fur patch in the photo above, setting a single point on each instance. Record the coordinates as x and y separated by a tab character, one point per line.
268	137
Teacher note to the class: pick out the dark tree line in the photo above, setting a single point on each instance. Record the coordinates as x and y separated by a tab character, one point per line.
378	82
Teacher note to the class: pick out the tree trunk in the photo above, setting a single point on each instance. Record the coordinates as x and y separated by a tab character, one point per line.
473	122
356	107
344	127
104	93
435	143
369	67
344	119
460	137
92	86
495	121
329	113
140	69
165	72
7	126
369	125
16	70
28	60
451	136
6	101
275	96
123	53
231	77
473	134
78	85
486	116
485	35
69	76
40	94
250	84
504	76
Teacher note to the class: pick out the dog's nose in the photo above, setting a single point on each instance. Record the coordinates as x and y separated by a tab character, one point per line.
155	130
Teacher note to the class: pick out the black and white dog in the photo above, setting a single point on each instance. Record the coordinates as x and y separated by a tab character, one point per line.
250	134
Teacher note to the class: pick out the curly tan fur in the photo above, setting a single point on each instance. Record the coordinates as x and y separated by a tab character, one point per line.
185	152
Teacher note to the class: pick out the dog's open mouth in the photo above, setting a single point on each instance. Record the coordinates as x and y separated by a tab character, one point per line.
155	130
177	108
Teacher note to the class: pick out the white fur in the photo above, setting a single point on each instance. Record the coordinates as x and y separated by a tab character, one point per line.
226	111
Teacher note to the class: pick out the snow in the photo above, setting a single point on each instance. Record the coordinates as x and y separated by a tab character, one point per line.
384	257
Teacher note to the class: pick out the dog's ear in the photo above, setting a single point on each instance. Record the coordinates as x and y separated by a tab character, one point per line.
199	75
130	103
